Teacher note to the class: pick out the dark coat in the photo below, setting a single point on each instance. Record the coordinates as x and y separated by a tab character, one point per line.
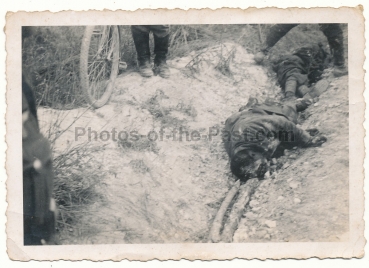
305	65
263	128
39	222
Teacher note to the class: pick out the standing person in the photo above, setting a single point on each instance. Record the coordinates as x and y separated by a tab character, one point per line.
141	39
39	209
332	31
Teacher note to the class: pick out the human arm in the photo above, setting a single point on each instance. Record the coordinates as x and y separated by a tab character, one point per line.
291	135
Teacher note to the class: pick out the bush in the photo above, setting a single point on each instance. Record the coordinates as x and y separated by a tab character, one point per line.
78	177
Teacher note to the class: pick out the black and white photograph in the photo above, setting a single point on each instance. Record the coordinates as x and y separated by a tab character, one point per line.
217	134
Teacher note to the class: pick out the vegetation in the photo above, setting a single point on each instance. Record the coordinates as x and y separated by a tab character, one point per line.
51	55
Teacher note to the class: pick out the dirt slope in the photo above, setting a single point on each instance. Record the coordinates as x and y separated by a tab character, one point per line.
308	200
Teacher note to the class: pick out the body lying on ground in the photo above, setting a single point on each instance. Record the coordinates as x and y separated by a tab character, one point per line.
298	70
253	135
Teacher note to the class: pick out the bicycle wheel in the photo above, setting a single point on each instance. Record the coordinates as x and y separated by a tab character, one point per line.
99	62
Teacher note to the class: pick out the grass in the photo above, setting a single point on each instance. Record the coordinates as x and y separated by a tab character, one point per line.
78	173
51	60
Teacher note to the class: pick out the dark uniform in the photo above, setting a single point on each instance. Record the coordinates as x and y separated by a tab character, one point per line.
297	71
260	130
39	207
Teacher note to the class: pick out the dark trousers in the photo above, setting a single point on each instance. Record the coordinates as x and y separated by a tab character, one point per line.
35	228
140	34
334	34
332	31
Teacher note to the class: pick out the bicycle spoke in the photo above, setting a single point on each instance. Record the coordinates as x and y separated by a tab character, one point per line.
99	82
96	66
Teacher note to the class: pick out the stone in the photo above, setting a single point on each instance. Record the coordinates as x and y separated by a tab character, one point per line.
240	237
256	209
294	184
267	236
253	203
250	215
316	104
297	200
265	183
274	161
280	198
285	165
261	233
270	224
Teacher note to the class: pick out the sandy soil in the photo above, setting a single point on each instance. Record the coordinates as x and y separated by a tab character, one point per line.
308	199
168	190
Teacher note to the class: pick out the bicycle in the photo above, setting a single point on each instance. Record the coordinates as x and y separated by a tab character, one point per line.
100	63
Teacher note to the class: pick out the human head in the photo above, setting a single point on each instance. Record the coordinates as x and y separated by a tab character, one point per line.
249	163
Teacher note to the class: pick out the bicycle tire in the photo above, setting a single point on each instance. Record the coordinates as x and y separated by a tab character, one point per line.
100	48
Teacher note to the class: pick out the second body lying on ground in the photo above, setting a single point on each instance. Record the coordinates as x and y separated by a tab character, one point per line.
296	71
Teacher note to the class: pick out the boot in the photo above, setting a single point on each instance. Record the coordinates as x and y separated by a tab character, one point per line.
161	50
340	67
334	34
144	67
141	40
319	88
340	71
302	90
290	90
303	103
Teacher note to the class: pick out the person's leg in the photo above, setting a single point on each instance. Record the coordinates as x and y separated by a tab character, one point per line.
294	91
275	33
289	110
290	88
161	40
141	39
334	34
302	91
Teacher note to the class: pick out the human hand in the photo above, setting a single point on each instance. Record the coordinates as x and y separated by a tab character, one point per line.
313	131
259	57
318	140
